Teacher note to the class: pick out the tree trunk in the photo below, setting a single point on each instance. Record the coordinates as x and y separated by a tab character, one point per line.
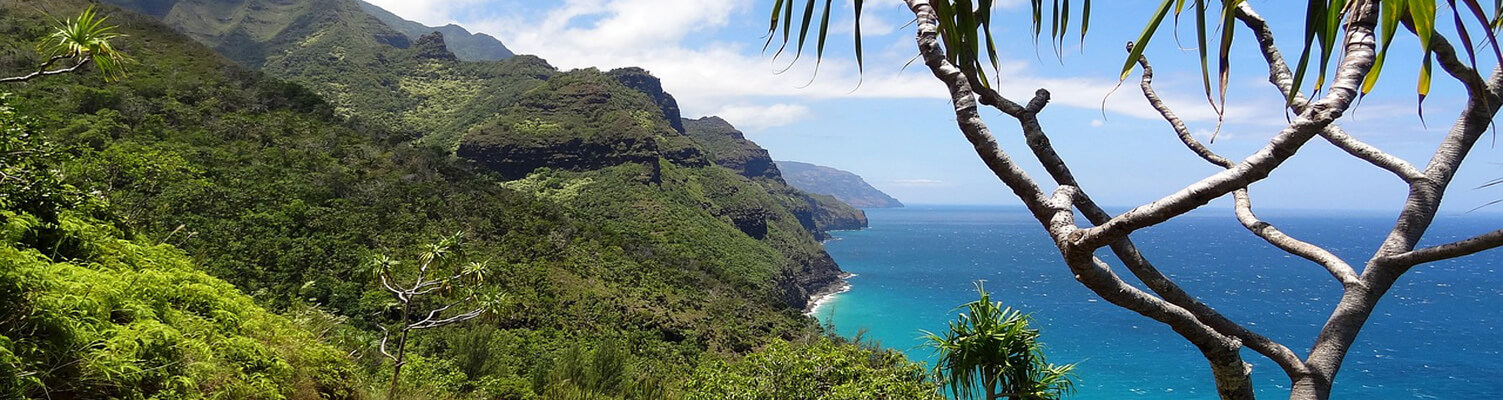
991	384
396	370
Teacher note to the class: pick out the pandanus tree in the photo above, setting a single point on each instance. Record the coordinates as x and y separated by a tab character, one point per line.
76	43
1345	45
437	290
992	352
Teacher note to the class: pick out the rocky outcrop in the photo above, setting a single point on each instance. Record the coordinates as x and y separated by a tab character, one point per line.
580	120
730	148
460	41
643	81
516	161
848	187
432	47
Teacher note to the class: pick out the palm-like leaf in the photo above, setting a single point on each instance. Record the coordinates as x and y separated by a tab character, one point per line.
993	347
965	32
87	37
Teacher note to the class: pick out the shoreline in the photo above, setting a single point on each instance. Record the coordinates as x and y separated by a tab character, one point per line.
823	297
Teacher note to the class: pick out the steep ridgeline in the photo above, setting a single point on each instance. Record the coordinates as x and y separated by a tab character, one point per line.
843	185
257	32
371	72
632	236
730	148
465	45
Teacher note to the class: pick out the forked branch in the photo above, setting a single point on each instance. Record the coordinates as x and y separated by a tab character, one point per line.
1339	269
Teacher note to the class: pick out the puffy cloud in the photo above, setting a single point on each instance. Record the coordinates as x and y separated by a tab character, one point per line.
756	118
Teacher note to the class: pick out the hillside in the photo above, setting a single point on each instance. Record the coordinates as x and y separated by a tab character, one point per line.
521	115
730	148
843	185
659	256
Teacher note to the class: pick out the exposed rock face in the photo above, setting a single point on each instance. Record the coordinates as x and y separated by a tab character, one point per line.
514	161
643	81
580	120
843	185
731	149
432	47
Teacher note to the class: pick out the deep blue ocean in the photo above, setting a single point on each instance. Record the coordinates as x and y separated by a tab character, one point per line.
1435	336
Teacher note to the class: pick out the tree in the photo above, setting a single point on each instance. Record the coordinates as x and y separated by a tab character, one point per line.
437	274
955	42
81	41
994	349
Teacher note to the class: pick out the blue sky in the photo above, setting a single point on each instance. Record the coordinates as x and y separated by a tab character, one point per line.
894	126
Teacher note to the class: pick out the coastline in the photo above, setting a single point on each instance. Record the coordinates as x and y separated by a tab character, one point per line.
822	297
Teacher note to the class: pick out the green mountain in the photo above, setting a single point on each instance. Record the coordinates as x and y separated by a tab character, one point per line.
260	32
467	46
843	185
521	115
639	261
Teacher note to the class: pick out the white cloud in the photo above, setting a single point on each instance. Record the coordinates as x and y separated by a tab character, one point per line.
1096	123
757	118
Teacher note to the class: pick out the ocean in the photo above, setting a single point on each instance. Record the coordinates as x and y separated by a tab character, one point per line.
1435	336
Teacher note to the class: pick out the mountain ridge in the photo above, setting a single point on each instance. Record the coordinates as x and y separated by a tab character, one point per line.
464	44
843	185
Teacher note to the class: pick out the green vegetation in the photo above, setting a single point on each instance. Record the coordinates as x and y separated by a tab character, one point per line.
92	314
824	369
624	281
92	311
992	353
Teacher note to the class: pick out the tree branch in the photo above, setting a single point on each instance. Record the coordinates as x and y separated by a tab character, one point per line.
41	72
385	336
1280	76
969	120
1466	247
1338	268
1343	272
1358	60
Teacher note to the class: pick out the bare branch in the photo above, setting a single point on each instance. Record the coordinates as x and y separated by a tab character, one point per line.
969	119
44	72
426	324
385	336
1466	247
1178	124
1338	268
1458	69
1357	61
1281	78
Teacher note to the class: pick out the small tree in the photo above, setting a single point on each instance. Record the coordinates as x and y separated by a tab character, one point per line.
993	349
438	284
80	41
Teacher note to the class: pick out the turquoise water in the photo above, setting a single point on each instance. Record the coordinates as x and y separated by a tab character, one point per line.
1436	335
